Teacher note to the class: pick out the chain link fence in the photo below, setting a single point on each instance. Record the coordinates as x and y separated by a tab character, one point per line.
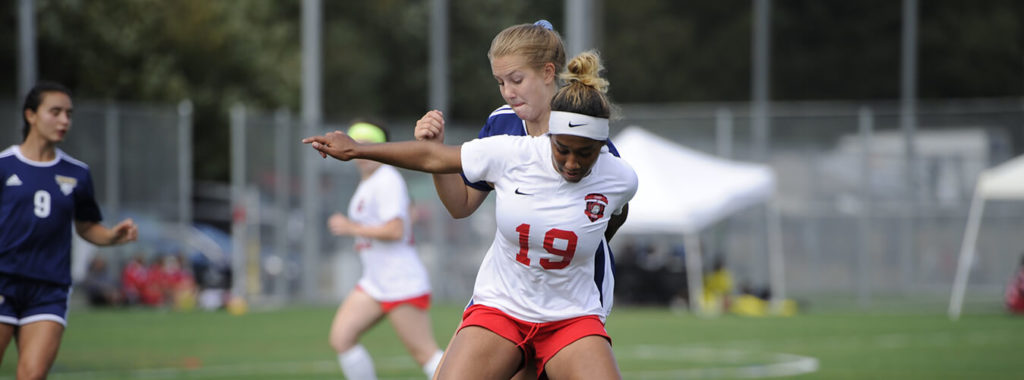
139	156
863	220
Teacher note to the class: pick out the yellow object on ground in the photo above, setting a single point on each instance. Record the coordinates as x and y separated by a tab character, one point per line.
750	306
237	306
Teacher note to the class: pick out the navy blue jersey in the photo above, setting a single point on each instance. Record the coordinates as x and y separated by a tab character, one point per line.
38	201
504	121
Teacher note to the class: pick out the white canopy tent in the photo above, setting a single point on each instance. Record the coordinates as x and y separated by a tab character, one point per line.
683	191
1003	182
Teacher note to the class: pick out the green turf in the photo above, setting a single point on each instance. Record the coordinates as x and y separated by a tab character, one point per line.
649	343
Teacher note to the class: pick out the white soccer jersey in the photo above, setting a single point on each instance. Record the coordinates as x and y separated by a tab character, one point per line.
542	266
392	270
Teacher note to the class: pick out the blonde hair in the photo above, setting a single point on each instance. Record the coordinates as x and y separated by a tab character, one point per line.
585	91
538	43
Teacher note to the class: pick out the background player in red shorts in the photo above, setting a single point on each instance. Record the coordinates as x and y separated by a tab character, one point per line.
394	281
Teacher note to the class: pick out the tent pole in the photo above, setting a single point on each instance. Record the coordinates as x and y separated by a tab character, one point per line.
775	264
967	252
694	273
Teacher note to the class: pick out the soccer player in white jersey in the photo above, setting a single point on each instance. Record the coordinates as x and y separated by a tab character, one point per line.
526	60
394	282
535	296
43	190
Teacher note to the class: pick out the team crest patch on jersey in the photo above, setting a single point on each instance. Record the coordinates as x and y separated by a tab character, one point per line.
595	206
67	184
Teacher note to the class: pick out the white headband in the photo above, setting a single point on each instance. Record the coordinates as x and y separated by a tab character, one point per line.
568	123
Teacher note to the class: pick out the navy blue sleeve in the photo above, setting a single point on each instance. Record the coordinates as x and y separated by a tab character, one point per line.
86	209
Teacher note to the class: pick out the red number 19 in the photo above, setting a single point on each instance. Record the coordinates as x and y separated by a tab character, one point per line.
549	245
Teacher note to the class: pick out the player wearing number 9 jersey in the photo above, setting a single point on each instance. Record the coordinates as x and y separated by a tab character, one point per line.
37	203
43	192
536	298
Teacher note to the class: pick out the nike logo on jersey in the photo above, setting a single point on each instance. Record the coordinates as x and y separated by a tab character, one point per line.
13	180
571	125
521	193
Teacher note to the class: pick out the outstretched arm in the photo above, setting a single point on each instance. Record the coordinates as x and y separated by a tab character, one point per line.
421	156
458	198
97	234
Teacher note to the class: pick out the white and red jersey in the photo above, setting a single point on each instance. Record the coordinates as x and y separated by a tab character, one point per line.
392	270
546	262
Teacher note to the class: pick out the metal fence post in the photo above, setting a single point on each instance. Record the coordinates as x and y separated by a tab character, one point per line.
112	129
238	203
865	122
723	132
185	166
282	196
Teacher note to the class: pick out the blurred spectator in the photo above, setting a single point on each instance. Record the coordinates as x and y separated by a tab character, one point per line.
718	286
133	279
100	287
177	284
142	284
1015	291
212	280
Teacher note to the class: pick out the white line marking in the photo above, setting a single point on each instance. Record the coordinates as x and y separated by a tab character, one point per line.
233	370
778	364
720	352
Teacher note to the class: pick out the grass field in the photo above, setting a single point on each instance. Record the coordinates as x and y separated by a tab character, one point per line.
649	344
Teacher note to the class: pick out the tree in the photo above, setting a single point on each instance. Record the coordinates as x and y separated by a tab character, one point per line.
214	53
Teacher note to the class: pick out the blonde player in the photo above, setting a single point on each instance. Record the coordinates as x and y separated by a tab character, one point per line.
536	295
394	281
526	60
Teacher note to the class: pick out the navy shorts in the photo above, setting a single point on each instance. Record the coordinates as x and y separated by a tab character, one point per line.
24	301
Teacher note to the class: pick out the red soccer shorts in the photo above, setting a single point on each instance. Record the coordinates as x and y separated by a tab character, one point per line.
421	302
544	340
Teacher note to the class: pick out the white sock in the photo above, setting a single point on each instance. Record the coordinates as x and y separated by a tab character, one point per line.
431	365
357	364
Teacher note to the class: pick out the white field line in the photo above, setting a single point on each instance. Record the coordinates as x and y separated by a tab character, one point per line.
884	341
767	364
232	370
779	364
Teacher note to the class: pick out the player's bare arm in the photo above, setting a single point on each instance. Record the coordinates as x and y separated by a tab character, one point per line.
459	199
414	155
341	225
97	234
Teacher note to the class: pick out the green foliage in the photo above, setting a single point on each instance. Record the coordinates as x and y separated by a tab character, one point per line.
152	50
376	54
700	51
971	49
658	51
215	53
